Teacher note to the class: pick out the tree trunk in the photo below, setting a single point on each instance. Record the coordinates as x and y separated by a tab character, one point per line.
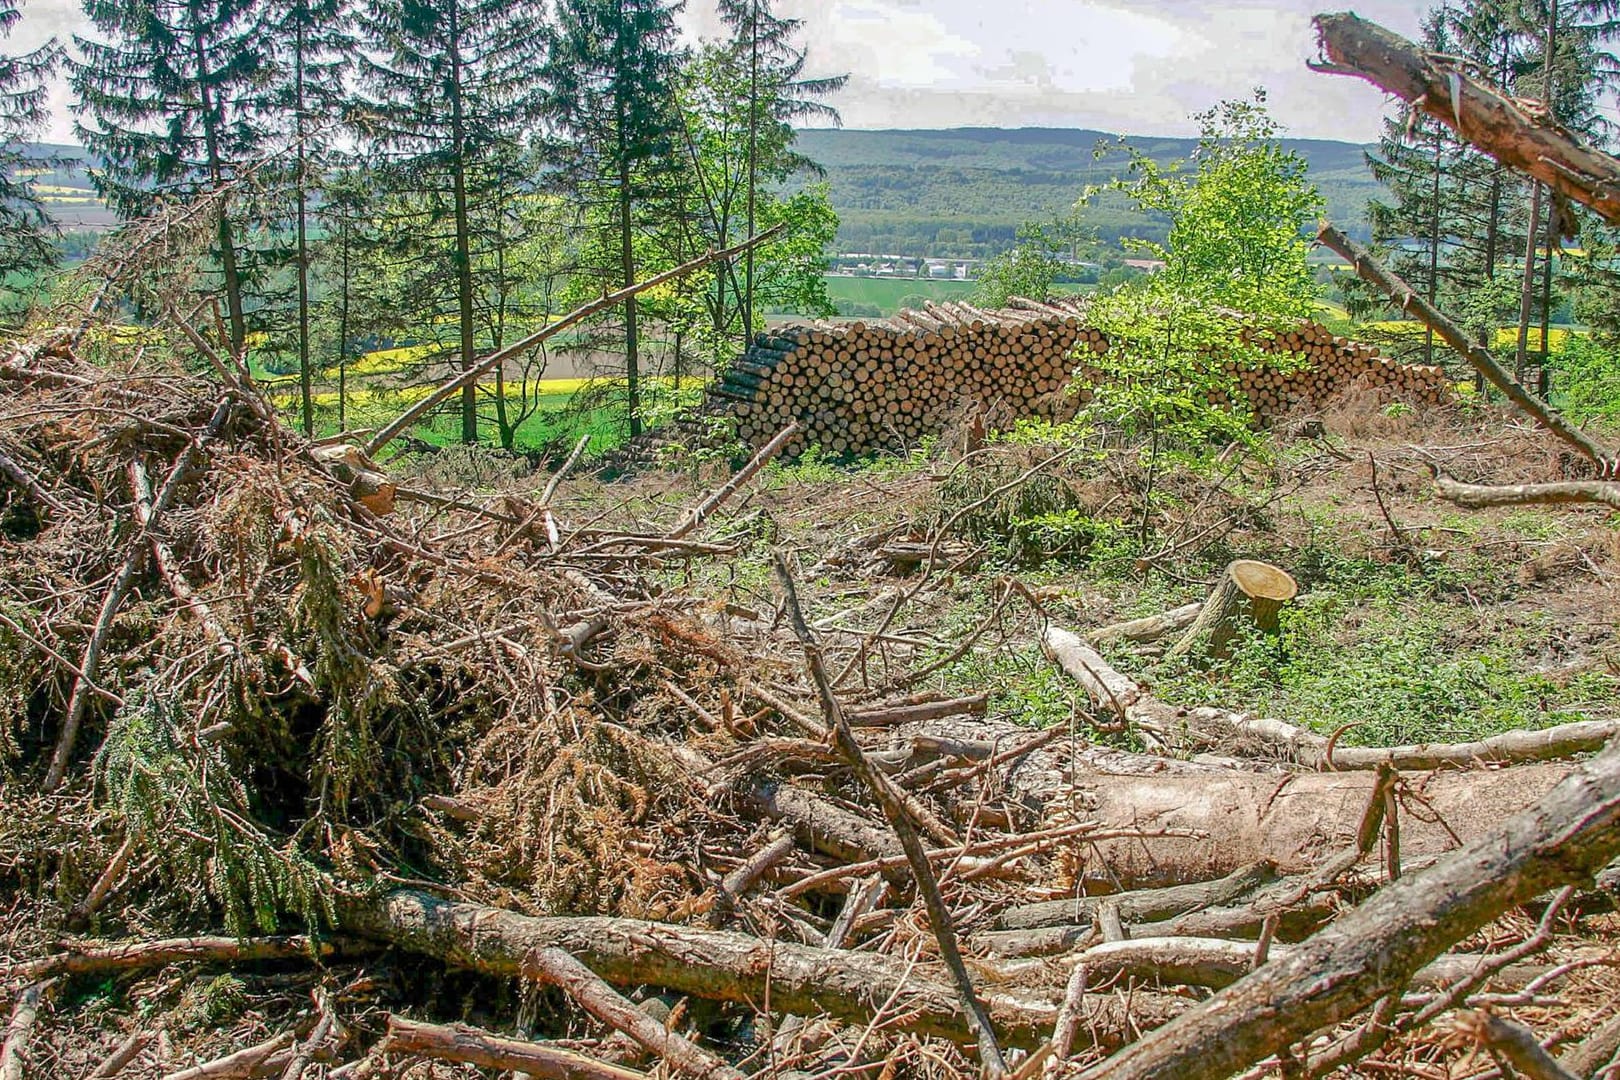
1248	593
1564	839
464	274
718	966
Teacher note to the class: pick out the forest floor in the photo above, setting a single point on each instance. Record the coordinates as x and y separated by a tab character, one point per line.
930	575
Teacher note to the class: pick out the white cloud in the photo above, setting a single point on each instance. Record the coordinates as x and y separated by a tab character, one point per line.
1136	66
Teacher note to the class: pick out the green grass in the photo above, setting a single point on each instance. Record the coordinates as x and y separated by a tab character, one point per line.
1395	654
889	294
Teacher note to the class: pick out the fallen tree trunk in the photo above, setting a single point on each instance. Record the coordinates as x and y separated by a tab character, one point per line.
720	966
1239	818
1564	839
1497	124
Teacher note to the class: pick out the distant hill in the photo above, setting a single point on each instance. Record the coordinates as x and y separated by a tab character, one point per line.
964	191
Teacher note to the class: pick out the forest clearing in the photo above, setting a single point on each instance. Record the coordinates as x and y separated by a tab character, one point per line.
1162	682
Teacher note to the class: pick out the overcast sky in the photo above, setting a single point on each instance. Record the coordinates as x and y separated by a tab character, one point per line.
1140	67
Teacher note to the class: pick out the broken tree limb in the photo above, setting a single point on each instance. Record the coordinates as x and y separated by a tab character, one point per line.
87	958
1408	300
899	815
1248	592
1496	124
1515	1042
126	1052
20	1029
713	964
461	1043
1566	838
1146	905
554	967
1600	1048
452	386
1483	496
1215	728
1108	689
248	1061
701	512
1150	628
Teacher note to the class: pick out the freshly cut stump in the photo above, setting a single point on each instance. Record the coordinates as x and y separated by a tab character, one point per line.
1248	591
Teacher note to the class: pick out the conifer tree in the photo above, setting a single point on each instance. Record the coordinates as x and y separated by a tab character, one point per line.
311	42
168	103
611	73
27	232
448	84
778	96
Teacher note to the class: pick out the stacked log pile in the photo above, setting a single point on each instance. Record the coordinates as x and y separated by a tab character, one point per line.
862	386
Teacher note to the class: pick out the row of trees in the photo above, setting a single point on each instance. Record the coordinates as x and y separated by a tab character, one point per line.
1475	238
454	171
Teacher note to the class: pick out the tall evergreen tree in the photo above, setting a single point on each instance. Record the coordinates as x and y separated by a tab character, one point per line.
168	103
611	72
27	232
311	43
448	84
778	96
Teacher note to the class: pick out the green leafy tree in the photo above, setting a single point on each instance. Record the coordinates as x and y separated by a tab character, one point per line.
739	157
448	86
27	232
611	70
1029	268
169	104
1236	215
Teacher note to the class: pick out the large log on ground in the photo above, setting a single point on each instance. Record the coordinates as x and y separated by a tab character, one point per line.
1173	822
1566	838
718	966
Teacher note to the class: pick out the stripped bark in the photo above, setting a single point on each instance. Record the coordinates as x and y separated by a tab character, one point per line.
1568	492
1564	839
468	1044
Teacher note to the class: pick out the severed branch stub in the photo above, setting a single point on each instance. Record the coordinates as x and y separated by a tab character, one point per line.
939	915
1247	592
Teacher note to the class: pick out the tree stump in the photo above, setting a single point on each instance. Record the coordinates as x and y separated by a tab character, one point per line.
1248	591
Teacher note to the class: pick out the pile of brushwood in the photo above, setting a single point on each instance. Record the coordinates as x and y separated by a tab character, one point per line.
462	779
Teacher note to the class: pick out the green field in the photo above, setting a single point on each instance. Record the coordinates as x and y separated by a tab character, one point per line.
889	295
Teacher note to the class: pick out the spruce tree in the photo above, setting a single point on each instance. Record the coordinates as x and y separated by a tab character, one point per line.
311	43
168	103
611	73
448	85
778	96
27	232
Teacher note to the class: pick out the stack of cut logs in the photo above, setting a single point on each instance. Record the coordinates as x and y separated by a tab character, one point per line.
861	386
1326	365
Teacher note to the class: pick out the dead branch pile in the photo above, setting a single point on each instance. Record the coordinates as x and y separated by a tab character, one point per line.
252	684
862	386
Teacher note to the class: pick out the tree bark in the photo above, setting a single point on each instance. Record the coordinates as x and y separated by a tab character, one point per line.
1564	839
1496	124
1247	592
468	1044
715	965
